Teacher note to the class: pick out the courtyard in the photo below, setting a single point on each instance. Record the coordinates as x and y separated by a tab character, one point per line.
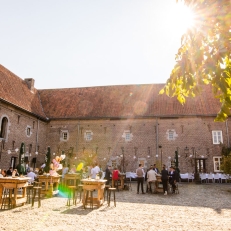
197	207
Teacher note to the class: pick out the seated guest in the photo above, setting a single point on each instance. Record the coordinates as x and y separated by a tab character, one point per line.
32	175
40	171
3	173
115	176
15	173
9	171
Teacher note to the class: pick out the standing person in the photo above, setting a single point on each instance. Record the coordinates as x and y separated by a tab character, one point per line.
155	168
172	178
145	179
64	170
164	179
108	174
140	178
151	178
95	171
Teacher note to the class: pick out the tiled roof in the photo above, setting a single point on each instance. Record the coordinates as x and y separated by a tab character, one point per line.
123	102
126	101
14	90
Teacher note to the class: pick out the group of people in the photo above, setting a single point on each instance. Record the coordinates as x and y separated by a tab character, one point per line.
171	177
9	172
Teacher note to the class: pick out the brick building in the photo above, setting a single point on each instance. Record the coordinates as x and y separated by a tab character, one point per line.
119	125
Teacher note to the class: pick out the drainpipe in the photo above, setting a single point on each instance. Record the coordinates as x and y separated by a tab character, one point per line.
157	139
227	132
36	149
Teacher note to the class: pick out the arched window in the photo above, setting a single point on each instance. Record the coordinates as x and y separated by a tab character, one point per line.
4	127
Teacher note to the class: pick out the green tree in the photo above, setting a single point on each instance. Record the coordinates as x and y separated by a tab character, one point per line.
20	167
47	160
204	57
226	159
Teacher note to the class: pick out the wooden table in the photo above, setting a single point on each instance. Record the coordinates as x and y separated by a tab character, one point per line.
53	181
15	183
98	185
121	178
71	177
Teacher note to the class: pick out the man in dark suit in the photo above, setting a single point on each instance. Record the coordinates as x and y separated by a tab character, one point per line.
164	179
172	178
155	168
108	174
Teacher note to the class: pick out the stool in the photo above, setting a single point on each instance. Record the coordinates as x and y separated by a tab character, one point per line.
29	192
116	184
7	196
106	191
90	191
36	189
71	190
109	196
79	191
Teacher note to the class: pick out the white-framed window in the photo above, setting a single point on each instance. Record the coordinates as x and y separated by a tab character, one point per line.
28	131
127	135
88	135
217	137
217	160
171	134
64	135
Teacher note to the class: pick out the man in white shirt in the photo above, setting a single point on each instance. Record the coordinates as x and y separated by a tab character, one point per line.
32	175
151	179
95	171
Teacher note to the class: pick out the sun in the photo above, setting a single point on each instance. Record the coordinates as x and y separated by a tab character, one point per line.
178	18
184	18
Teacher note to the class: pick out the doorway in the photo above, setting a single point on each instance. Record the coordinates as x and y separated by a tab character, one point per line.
13	162
201	165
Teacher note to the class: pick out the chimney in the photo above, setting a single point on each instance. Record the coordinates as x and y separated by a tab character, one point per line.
30	83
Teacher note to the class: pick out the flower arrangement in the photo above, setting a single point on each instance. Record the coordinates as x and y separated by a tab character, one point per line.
55	164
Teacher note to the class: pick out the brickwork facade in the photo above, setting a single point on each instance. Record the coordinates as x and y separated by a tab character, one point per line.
147	137
17	133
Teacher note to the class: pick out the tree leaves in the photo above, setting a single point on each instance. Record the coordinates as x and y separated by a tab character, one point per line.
204	56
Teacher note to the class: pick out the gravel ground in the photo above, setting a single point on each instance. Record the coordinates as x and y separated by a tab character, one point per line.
197	207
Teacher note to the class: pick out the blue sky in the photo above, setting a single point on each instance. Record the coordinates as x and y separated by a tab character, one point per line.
73	43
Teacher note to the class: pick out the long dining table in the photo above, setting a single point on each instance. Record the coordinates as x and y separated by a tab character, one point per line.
98	185
13	184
